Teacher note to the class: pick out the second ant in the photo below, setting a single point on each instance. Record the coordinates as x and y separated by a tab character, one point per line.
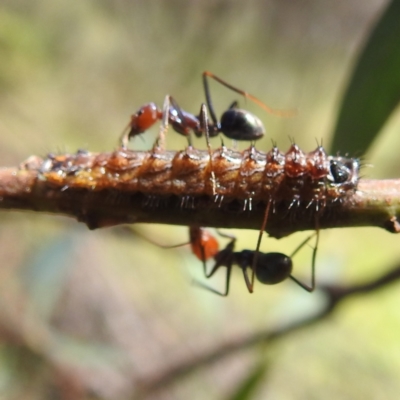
235	123
269	268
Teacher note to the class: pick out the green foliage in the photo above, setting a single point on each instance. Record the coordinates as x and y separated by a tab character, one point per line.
374	88
249	385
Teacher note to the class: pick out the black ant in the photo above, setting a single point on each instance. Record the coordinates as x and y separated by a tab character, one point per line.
269	268
235	123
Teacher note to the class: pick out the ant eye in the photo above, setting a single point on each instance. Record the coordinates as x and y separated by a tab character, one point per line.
273	268
339	171
139	113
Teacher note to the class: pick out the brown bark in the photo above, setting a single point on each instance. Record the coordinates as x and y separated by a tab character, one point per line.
374	203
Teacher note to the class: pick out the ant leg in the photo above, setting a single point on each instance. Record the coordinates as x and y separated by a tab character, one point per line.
160	142
208	100
257	250
204	127
234	106
124	138
179	123
177	108
223	258
313	259
228	279
226	235
248	282
280	113
210	289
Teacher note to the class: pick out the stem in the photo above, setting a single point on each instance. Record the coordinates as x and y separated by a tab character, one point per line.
374	203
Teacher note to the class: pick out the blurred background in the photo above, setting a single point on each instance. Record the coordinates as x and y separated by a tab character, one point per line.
99	314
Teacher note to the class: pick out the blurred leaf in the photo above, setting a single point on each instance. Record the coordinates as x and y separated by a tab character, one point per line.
249	385
374	88
88	353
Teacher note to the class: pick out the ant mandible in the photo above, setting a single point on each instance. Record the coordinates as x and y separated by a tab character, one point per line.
235	123
269	268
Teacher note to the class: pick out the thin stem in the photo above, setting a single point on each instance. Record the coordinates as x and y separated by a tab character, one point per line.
375	203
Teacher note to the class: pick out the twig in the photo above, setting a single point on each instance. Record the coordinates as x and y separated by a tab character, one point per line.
335	295
374	203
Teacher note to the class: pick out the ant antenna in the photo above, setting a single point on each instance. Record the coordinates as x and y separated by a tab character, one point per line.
279	113
153	242
313	259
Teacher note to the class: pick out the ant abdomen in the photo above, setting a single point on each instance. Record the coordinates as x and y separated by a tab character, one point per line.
239	124
273	268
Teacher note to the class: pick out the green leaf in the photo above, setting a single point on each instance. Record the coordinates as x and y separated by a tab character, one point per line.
247	388
374	89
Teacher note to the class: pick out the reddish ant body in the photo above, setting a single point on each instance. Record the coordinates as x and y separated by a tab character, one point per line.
203	244
269	268
235	123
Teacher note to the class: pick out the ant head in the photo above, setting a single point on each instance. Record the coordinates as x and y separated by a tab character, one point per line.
144	118
273	268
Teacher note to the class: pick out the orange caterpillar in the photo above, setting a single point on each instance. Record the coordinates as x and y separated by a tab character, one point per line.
250	176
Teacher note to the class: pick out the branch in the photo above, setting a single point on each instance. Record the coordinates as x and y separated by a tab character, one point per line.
103	190
335	295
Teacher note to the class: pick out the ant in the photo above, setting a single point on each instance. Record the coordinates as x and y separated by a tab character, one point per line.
269	268
235	123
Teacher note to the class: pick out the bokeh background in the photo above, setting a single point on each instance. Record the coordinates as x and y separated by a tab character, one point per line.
87	315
